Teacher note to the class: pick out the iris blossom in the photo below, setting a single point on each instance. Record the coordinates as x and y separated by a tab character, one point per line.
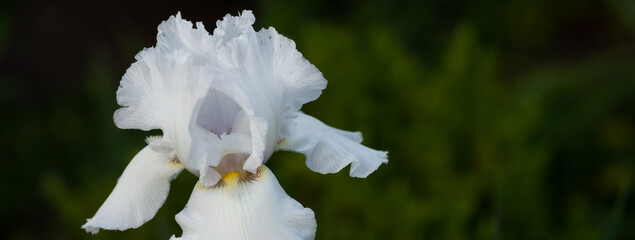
224	103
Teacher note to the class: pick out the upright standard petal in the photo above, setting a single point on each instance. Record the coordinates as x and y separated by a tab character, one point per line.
300	80
160	91
249	209
265	76
328	150
139	193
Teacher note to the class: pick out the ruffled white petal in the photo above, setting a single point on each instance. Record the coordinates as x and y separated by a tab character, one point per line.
249	91
302	82
264	74
328	150
139	193
179	34
160	91
257	209
231	27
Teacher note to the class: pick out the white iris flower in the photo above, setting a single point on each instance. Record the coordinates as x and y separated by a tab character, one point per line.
224	102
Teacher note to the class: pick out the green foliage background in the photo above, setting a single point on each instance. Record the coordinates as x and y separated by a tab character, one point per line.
503	120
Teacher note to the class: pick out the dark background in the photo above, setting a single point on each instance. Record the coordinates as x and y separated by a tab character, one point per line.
503	119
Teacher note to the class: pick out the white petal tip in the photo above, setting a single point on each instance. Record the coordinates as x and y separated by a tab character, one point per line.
89	228
362	169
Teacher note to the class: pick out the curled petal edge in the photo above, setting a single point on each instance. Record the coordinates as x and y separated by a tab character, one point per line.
329	150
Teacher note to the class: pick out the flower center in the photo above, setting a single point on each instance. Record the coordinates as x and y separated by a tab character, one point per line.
231	178
232	163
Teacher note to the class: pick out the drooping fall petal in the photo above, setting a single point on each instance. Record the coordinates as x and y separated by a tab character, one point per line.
255	209
140	192
328	150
